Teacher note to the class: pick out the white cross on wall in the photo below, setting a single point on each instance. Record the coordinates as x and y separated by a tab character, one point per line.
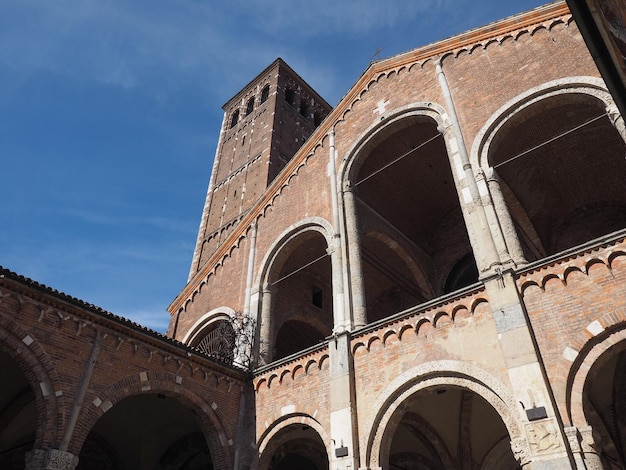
381	107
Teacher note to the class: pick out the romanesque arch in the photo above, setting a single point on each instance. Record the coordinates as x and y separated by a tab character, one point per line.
215	315
121	422
552	162
30	407
213	334
596	391
294	441
397	173
418	415
296	290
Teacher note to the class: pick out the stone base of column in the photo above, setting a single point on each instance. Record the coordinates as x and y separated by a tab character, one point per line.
51	459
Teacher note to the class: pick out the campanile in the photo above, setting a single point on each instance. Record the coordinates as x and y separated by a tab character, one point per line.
263	127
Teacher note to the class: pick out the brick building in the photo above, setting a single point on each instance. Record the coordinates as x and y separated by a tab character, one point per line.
430	275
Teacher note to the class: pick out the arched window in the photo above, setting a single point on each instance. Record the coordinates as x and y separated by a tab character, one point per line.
265	93
250	106
219	341
234	119
303	108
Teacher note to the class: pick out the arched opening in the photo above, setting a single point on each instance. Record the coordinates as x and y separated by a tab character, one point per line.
604	405
296	446
304	108
234	118
562	169
146	431
265	93
301	298
250	106
462	274
293	334
445	427
391	285
18	414
404	188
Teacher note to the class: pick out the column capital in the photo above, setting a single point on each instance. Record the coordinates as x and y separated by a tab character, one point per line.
521	451
50	459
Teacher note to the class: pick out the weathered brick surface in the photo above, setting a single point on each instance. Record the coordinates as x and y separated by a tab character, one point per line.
572	302
564	298
51	337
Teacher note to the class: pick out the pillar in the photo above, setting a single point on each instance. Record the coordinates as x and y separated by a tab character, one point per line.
344	443
513	245
265	328
481	238
543	444
354	262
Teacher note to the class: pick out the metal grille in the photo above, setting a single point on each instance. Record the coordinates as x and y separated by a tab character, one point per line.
219	342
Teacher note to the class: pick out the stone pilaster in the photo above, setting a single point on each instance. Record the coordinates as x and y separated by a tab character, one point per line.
343	433
543	444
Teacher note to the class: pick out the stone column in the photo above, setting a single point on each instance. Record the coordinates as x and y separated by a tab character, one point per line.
491	214
354	261
50	459
513	245
265	336
474	214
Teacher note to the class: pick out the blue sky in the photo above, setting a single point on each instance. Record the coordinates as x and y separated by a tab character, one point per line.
110	112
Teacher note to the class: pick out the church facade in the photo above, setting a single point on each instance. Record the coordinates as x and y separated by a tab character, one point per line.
430	275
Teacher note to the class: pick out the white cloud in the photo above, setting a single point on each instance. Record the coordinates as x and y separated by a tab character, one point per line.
160	46
324	17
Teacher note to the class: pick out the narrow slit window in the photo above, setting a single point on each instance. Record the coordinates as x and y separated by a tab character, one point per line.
317	297
290	95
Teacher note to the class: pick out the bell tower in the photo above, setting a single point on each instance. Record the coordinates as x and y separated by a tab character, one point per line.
264	125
